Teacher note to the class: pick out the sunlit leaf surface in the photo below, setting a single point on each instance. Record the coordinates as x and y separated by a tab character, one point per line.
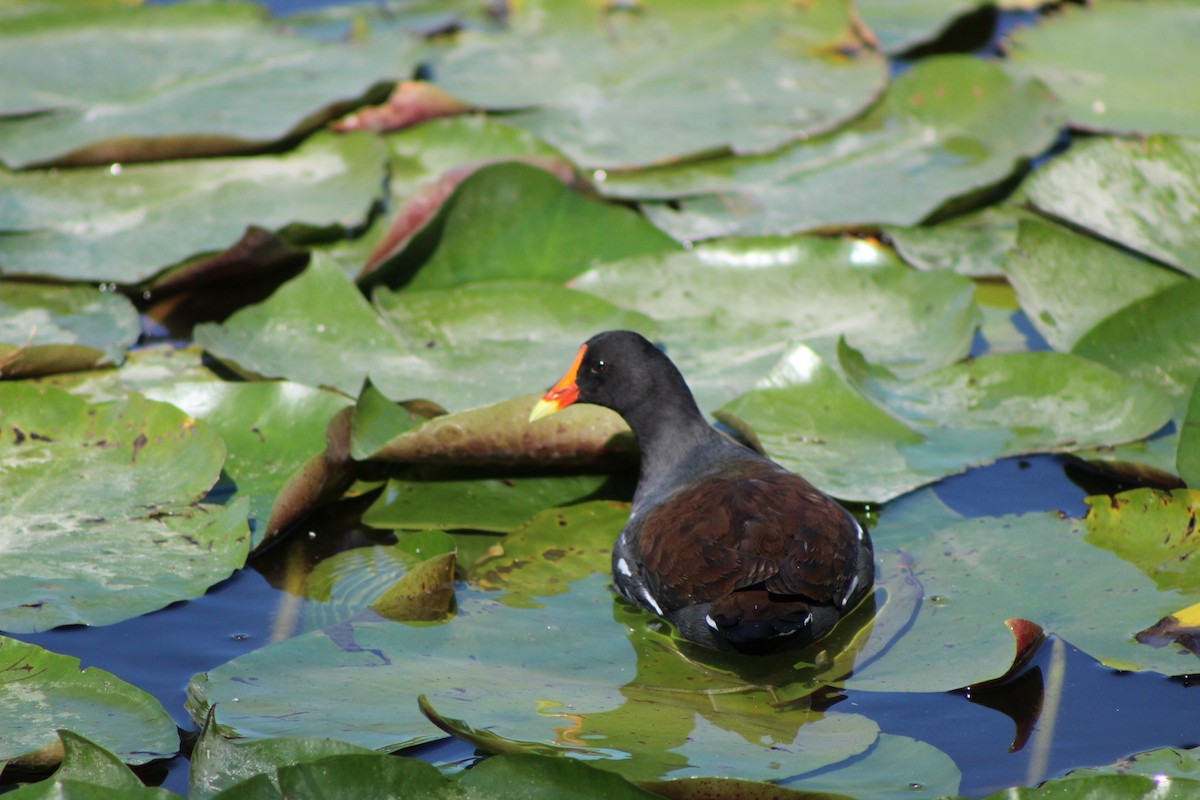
46	329
607	84
168	81
127	224
1120	65
101	508
41	692
947	127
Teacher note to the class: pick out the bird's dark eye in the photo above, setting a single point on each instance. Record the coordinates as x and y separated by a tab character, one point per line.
599	368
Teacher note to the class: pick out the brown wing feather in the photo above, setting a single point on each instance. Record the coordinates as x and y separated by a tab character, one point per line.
759	525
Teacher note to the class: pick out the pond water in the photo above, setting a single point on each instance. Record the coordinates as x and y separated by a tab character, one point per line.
995	737
1000	737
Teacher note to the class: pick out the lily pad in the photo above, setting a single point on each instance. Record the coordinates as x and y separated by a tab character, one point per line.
536	560
1120	66
904	24
89	772
1171	762
483	342
1154	339
514	221
476	502
41	692
460	348
269	430
1067	282
1153	530
945	130
614	87
46	329
556	674
143	370
103	518
179	80
977	573
896	767
1141	193
728	310
1187	459
500	435
1110	787
812	421
126	224
218	763
1012	403
974	244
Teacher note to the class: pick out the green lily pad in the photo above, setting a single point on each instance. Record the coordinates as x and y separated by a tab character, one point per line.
500	435
1013	403
41	692
1154	339
1067	283
460	348
103	518
425	163
46	329
269	430
977	573
974	244
316	329
144	370
536	560
1152	530
728	310
127	224
809	419
474	502
180	80
902	25
895	768
484	342
1109	787
1169	761
613	87
514	221
1120	66
89	772
1141	193
218	763
946	129
556	674
1187	458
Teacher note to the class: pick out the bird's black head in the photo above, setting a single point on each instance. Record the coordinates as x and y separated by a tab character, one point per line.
621	370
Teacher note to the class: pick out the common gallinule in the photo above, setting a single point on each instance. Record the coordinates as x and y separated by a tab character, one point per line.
731	548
